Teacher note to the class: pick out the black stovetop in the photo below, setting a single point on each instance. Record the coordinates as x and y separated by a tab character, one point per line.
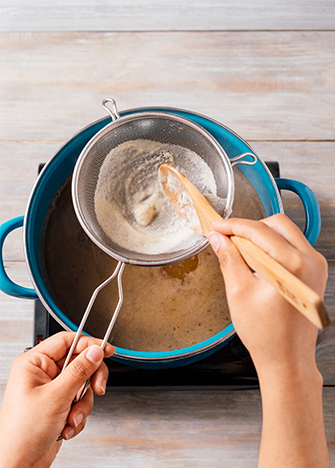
231	365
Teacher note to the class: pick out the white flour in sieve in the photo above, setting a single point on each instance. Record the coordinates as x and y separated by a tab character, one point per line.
130	203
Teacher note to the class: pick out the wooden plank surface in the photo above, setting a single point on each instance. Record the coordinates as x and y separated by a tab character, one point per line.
129	15
207	429
276	89
312	163
251	81
175	429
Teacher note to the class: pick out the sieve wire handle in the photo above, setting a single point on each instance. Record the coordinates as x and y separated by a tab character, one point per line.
237	159
118	271
113	319
113	112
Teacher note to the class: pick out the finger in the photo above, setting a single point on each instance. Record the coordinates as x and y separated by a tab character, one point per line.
69	432
81	410
235	271
289	231
108	354
38	359
69	382
264	237
99	380
57	346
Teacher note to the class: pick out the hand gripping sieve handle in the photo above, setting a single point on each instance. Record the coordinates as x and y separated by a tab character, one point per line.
118	271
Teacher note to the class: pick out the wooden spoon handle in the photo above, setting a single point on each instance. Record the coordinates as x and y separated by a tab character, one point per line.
297	293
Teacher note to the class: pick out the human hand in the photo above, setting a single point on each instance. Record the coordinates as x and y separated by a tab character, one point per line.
38	402
273	331
280	339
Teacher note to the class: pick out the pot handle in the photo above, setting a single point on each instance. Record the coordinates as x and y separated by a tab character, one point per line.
6	284
310	203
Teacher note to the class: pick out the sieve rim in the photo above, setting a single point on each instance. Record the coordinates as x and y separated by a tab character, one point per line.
178	256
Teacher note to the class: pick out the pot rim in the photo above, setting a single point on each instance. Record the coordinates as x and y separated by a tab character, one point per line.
79	207
181	353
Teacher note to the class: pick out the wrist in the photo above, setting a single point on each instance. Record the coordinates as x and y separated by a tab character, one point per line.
292	389
13	455
285	369
293	429
291	383
289	371
11	461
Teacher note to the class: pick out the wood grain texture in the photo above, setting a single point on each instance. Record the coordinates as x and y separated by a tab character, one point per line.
129	15
205	429
276	89
265	86
16	321
159	429
314	165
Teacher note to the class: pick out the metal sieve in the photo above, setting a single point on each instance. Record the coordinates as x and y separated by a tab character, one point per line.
166	128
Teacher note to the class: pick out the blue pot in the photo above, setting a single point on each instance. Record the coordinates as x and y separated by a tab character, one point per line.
61	166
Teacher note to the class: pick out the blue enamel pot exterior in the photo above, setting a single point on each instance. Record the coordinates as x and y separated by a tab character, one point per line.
61	166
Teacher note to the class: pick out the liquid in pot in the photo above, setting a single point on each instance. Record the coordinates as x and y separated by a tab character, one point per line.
164	308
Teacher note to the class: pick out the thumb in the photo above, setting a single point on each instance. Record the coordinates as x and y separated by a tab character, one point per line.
234	269
78	371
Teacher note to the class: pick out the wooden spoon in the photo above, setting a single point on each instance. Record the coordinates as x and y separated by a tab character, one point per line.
192	206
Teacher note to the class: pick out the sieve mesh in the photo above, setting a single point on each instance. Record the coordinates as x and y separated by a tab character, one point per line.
159	127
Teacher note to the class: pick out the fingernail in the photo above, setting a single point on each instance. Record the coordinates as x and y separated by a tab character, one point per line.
215	241
78	419
69	433
110	348
103	386
94	354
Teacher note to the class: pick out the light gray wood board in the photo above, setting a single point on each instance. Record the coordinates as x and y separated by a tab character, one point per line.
312	163
175	429
97	15
269	85
181	429
16	325
16	322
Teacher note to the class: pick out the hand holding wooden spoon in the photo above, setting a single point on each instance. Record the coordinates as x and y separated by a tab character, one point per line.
192	206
